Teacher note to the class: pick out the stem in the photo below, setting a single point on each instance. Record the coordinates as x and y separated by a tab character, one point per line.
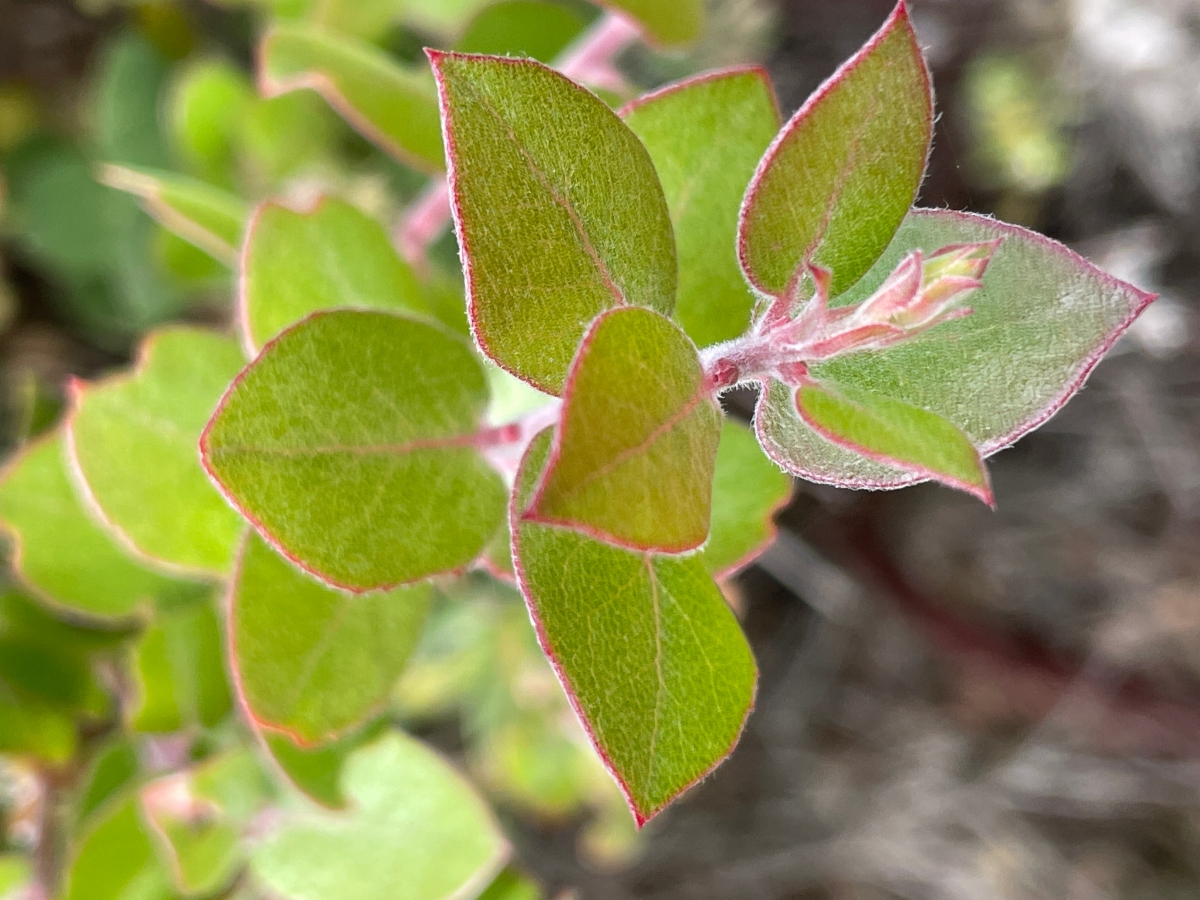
588	59
504	446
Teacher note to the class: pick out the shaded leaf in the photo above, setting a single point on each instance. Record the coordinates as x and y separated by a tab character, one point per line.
314	771
391	106
632	461
201	214
558	211
60	553
666	23
1042	320
179	671
114	859
295	263
530	28
350	444
311	660
706	136
132	439
204	110
114	766
415	822
840	176
512	885
649	654
748	488
34	728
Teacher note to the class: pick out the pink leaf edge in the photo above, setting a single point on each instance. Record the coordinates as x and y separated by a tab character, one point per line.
1141	299
898	18
640	816
676	87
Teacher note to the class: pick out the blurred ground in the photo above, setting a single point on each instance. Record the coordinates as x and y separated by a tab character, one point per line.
955	703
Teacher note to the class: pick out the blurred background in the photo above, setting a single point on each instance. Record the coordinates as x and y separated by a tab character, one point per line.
955	703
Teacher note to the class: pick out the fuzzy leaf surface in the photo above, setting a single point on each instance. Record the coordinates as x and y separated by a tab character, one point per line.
350	444
632	461
651	657
203	215
179	672
895	433
295	263
392	107
748	488
558	211
706	136
60	553
665	23
413	822
133	440
1042	320
311	660
840	176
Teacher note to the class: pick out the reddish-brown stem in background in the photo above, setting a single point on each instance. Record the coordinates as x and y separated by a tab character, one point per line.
588	60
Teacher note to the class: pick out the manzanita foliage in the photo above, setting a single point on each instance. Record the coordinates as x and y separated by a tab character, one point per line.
627	268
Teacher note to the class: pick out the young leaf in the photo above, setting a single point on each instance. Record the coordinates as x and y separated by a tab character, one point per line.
415	827
632	461
1042	320
706	136
311	660
647	651
391	106
114	858
839	177
295	263
197	817
531	28
59	552
747	490
132	442
201	214
898	434
179	671
665	23
352	443
558	211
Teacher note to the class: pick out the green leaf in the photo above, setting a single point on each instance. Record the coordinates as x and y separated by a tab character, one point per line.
350	443
748	488
310	660
15	871
530	28
204	109
512	885
391	106
61	554
333	255
132	439
1042	320
633	458
114	859
706	136
201	214
842	173
649	654
898	434
558	211
314	771
30	727
365	19
179	671
197	818
666	23
114	766
416	826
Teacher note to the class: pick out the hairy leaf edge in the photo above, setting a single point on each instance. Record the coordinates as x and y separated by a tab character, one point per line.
702	395
263	531
995	445
675	87
899	16
640	816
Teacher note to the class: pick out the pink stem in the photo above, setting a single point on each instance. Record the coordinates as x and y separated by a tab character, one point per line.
589	60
